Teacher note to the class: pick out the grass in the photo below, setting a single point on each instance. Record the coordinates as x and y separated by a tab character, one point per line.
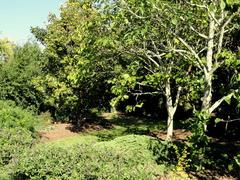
126	125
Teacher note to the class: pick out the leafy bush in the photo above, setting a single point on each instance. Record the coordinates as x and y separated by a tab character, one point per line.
13	142
123	158
12	116
17	131
164	152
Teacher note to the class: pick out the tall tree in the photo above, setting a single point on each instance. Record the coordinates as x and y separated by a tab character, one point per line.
208	24
160	40
76	77
17	75
150	65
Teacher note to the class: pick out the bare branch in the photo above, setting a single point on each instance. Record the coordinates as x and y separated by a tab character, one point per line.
183	54
145	93
212	16
222	31
148	69
200	34
151	59
203	49
196	5
193	53
219	102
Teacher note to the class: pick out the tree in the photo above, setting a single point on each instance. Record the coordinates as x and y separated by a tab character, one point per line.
164	42
6	49
150	65
17	75
75	80
209	23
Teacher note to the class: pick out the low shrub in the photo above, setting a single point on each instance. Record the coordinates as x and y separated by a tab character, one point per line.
125	157
12	116
164	152
13	142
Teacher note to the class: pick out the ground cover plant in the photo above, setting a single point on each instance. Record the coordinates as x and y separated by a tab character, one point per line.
125	157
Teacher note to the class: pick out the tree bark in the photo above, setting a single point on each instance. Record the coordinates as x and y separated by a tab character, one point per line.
208	74
171	113
207	98
171	107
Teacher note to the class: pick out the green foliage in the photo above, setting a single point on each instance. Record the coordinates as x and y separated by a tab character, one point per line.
199	141
17	130
12	116
235	166
16	76
174	155
75	71
13	142
123	158
164	151
6	49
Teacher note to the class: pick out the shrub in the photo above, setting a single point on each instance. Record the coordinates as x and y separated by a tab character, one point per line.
12	116
13	142
123	158
164	152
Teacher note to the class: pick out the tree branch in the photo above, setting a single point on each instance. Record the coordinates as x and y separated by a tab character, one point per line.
151	59
222	31
193	53
145	93
200	34
219	102
196	5
133	13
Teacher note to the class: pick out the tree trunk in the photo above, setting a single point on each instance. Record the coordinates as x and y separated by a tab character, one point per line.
207	97
171	108
170	124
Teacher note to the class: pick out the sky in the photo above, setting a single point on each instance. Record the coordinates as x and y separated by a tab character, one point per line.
17	17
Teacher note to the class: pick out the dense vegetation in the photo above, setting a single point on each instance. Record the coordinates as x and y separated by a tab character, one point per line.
161	62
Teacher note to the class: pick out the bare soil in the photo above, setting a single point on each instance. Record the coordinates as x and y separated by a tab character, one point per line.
57	131
179	134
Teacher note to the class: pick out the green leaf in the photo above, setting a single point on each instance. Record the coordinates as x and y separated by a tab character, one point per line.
168	56
223	4
228	100
174	21
218	120
125	76
139	105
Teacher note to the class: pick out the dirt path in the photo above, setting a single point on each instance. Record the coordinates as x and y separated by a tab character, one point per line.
57	131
